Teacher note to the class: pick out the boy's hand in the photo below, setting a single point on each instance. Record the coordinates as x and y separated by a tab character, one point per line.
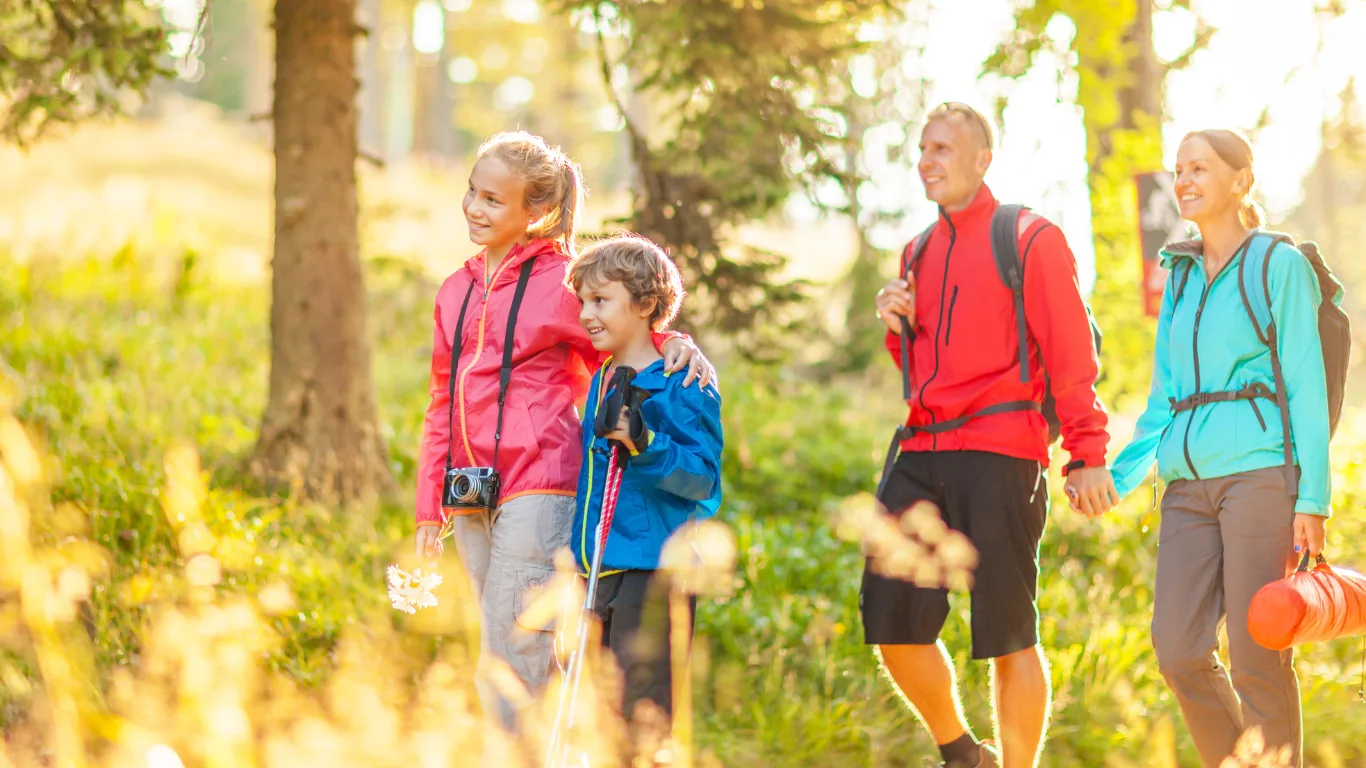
895	301
680	352
622	434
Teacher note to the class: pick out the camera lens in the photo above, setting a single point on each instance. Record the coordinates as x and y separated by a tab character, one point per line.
466	489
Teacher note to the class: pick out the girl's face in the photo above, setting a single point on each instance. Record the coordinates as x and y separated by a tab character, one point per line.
1207	188
612	320
495	205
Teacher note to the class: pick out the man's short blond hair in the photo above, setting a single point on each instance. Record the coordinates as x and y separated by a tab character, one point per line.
969	115
638	264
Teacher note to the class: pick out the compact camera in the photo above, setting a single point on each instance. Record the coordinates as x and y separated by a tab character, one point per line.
471	488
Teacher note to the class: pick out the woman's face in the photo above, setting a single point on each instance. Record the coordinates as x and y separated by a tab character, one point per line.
1207	188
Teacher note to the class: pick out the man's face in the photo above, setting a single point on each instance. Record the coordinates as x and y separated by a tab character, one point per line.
954	158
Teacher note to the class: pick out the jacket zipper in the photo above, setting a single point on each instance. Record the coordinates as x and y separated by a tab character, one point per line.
479	345
939	326
948	325
1195	352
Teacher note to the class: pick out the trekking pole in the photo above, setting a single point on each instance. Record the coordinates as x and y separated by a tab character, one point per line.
557	750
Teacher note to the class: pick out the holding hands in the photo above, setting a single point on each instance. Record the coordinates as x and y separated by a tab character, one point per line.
1091	490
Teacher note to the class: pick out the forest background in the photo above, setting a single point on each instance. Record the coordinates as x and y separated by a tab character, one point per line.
218	223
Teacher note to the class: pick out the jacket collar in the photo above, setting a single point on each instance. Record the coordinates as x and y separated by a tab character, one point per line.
519	254
651	378
978	211
1194	250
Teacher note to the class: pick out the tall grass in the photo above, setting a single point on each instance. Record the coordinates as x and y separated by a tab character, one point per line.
140	382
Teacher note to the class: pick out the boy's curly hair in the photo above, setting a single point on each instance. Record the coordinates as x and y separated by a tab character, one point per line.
640	265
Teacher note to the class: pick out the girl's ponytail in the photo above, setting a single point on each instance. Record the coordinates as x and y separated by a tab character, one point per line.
554	184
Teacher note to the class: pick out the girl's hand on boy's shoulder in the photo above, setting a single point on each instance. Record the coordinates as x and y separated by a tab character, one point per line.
680	352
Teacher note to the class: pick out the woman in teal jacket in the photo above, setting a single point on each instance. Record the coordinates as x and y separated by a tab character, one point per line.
1234	514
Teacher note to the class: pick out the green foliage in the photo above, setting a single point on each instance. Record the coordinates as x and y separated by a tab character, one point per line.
746	102
1121	140
65	60
117	361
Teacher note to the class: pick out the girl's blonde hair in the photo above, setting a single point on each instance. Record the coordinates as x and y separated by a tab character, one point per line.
648	274
1233	147
554	183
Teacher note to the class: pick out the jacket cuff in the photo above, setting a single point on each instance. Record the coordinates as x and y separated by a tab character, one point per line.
1308	507
1083	461
653	451
664	337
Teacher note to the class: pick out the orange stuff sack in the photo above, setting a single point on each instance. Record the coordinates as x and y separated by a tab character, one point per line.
1309	606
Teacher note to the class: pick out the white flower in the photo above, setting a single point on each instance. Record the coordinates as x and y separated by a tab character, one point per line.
411	591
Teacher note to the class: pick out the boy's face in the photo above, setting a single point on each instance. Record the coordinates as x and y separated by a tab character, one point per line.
612	320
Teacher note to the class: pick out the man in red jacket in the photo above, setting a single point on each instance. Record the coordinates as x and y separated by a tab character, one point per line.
984	471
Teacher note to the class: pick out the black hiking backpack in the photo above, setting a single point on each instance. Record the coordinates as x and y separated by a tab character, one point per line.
1335	331
1005	247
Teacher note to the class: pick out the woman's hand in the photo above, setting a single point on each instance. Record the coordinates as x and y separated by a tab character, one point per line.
1311	531
428	541
680	352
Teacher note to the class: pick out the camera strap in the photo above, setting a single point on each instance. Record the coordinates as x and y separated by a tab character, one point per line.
505	375
457	348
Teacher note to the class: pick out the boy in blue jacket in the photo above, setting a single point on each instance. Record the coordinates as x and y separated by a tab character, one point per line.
629	289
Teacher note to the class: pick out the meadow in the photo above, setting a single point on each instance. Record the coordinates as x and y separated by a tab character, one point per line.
239	627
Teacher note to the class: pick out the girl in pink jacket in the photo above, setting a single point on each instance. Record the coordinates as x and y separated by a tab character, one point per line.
500	450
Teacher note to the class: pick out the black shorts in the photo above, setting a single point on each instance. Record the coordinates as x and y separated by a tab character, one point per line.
634	609
1001	504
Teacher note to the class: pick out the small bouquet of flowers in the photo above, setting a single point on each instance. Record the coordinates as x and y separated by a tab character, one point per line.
410	592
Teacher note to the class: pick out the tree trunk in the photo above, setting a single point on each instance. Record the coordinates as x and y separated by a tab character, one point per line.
867	272
1142	94
320	433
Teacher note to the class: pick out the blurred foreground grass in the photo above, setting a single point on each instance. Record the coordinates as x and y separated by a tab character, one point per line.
161	599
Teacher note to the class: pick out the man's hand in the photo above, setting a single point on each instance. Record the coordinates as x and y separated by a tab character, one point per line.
622	434
679	352
895	301
428	543
1311	531
1091	490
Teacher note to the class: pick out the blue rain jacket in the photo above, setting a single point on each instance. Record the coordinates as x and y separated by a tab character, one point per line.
676	478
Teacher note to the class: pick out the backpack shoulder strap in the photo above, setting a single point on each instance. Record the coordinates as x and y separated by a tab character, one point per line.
915	249
1268	337
1185	278
909	258
1005	251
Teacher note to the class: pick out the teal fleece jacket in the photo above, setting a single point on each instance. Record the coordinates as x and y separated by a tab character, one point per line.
1206	343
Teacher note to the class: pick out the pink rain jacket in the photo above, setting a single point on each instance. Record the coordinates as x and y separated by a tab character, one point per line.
540	451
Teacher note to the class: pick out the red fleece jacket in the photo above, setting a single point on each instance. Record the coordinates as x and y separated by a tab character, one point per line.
964	353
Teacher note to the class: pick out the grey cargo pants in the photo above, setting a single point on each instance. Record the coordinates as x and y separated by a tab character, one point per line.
507	554
1221	540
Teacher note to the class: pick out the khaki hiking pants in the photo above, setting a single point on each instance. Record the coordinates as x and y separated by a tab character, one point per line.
507	554
1221	540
